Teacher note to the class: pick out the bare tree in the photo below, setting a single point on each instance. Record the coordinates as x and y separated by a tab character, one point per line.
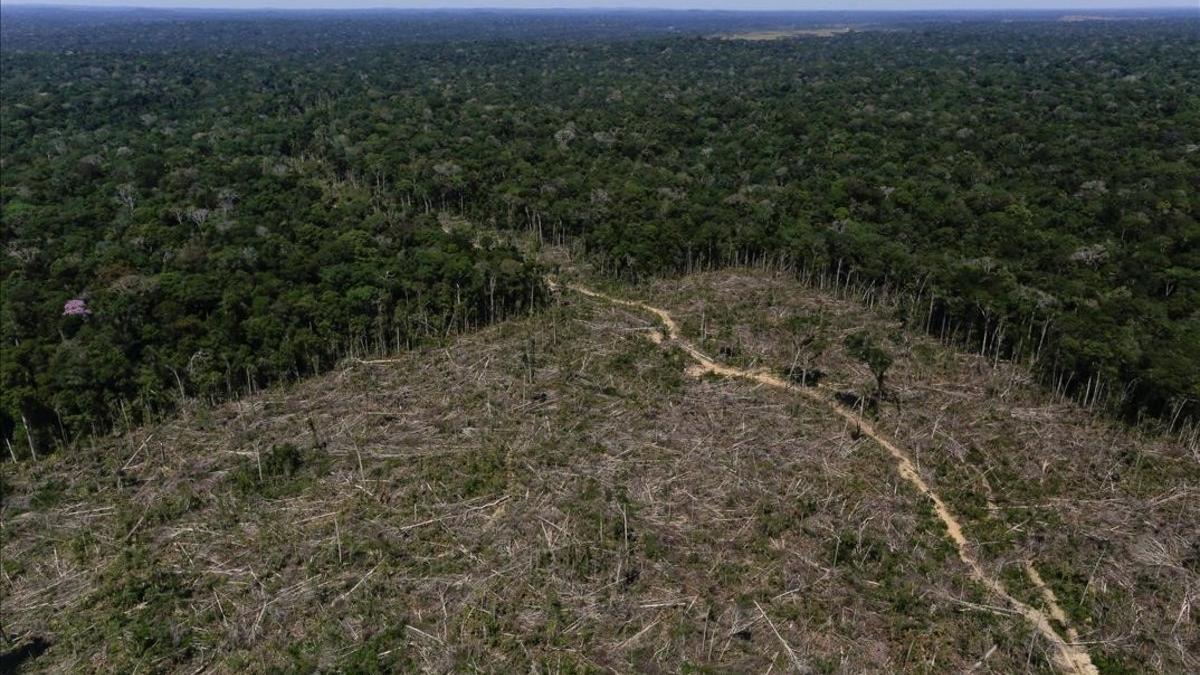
198	216
127	196
227	197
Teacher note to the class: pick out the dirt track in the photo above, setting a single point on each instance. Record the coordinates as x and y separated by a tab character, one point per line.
1069	657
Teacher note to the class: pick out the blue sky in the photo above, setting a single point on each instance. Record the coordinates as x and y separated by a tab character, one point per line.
661	4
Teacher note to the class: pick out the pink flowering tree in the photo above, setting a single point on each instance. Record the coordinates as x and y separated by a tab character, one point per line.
76	307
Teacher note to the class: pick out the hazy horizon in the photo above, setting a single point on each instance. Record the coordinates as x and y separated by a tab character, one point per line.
727	5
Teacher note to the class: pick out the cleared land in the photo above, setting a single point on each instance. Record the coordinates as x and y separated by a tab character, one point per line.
559	492
1068	655
766	35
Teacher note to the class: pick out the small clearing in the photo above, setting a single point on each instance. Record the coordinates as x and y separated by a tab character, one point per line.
770	35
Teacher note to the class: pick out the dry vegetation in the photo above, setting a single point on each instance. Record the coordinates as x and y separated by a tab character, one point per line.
557	493
1110	519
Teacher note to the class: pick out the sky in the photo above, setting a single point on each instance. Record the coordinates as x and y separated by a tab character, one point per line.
657	4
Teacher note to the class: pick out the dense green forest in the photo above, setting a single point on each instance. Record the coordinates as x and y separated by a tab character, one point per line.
198	204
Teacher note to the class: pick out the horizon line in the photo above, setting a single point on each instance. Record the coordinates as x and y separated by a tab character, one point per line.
588	7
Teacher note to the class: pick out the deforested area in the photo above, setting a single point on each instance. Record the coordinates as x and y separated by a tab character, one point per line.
566	492
599	341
